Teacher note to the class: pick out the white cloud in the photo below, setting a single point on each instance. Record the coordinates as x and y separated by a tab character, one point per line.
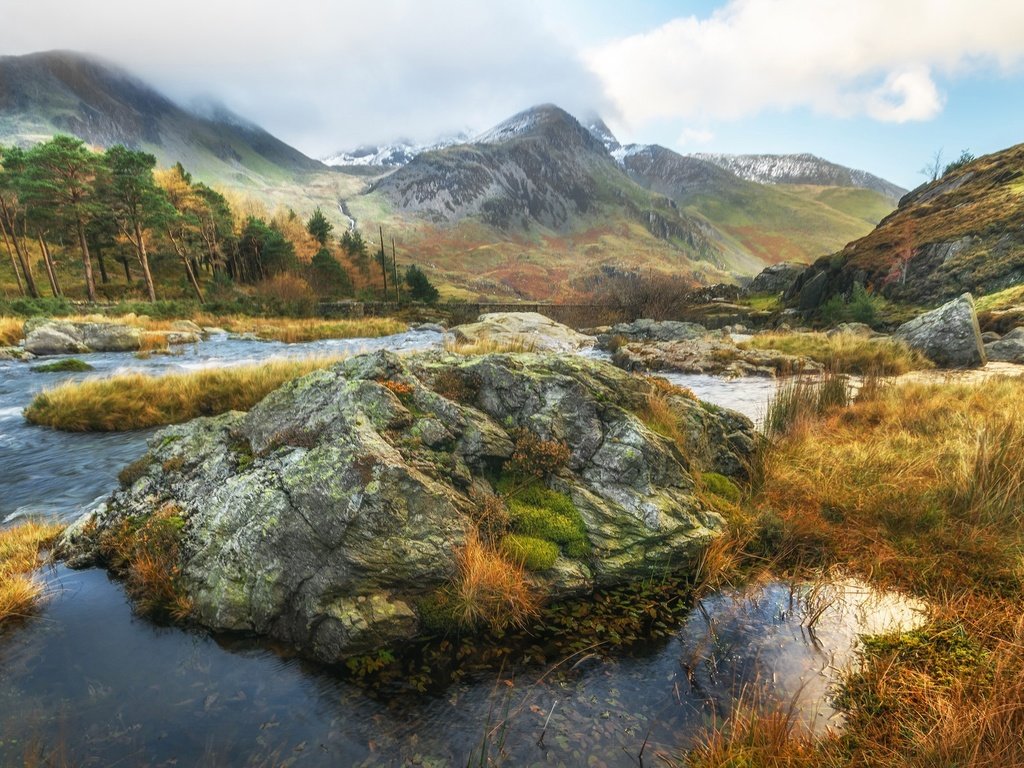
326	74
845	58
692	136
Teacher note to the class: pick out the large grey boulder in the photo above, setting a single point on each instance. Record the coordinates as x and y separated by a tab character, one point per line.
527	330
63	337
327	515
776	278
656	330
948	336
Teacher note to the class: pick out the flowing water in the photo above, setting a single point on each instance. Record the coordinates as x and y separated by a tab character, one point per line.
86	683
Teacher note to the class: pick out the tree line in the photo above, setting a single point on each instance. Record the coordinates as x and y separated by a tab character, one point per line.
116	203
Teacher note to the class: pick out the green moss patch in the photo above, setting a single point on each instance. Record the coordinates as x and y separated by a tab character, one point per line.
541	513
532	553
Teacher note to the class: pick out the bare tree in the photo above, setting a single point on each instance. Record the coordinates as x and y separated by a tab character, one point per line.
932	170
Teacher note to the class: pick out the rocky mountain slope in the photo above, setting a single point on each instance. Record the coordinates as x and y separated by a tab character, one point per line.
803	169
64	92
962	232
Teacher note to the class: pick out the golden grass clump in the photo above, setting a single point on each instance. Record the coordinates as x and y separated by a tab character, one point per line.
293	331
20	548
138	401
845	352
515	345
10	331
491	590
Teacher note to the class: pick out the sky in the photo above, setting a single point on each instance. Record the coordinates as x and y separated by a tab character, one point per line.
880	85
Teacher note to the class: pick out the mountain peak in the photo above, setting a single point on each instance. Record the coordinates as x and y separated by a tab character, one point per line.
546	121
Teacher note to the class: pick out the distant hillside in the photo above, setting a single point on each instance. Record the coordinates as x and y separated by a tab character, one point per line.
771	223
963	232
63	92
803	169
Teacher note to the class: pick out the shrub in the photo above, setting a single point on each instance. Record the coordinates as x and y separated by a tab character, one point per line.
535	457
530	552
287	294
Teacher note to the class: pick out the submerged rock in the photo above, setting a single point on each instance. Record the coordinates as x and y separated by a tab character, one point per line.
329	514
528	330
63	337
948	336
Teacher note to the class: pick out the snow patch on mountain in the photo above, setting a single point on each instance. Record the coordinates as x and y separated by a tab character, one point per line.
393	155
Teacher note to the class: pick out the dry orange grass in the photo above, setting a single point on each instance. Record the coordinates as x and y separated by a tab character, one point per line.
138	401
490	589
20	549
845	352
918	486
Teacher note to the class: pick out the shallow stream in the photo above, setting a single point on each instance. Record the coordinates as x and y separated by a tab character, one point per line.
86	683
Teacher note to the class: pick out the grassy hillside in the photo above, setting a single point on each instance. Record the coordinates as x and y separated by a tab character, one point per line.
959	233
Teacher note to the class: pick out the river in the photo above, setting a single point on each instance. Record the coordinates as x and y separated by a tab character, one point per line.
88	683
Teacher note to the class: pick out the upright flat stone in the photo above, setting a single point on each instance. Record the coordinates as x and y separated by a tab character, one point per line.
948	336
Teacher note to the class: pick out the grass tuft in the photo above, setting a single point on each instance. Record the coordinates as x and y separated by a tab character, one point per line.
488	346
138	401
845	352
11	331
20	554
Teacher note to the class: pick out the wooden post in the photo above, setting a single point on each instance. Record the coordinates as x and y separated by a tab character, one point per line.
383	263
394	262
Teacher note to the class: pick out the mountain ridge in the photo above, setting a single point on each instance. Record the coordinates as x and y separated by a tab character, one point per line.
103	104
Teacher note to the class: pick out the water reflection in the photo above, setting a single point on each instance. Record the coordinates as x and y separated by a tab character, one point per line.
90	680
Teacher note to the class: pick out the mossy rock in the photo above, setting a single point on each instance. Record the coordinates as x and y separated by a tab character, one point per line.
721	486
532	553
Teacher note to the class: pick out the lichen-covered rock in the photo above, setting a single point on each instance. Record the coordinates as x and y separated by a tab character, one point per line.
529	330
63	337
715	355
327	514
948	336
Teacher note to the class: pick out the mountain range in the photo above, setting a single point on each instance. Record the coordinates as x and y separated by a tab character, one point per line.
532	207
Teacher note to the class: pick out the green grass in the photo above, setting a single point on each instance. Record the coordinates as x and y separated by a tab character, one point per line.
1012	296
70	365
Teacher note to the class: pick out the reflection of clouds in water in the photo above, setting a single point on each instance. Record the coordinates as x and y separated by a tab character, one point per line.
788	642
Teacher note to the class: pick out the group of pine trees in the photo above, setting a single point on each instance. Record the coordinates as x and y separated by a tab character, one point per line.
60	200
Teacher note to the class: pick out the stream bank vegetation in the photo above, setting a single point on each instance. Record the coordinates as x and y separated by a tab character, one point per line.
845	352
917	487
21	548
138	401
